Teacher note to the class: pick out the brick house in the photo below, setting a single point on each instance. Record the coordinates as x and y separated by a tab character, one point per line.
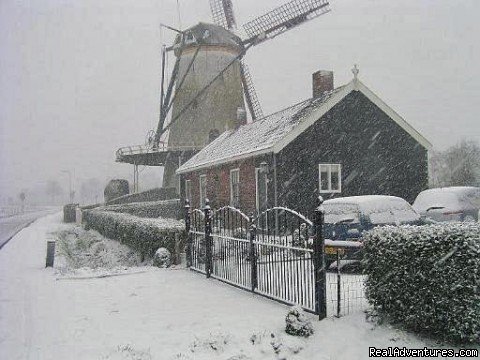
342	142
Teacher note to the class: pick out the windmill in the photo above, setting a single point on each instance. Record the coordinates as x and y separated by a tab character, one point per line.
211	83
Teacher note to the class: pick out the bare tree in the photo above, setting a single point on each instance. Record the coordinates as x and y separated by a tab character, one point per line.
459	165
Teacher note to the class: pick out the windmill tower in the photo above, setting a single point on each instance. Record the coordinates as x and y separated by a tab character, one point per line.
205	104
210	82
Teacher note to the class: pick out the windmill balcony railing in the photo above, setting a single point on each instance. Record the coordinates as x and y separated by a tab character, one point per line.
149	149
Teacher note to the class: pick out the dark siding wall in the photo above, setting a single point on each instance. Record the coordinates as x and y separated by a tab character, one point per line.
376	154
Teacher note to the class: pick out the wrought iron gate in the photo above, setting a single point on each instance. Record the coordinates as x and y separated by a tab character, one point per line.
272	255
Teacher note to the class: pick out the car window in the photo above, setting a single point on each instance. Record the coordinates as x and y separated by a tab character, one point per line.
335	213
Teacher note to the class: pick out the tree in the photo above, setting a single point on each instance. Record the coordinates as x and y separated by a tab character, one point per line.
53	189
459	165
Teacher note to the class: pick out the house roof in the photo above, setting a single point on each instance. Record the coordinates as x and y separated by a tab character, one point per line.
273	132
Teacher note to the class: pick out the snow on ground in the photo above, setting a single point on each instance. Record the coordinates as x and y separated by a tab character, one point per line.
154	314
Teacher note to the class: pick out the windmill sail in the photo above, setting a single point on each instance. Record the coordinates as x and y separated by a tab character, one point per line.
250	94
222	13
284	18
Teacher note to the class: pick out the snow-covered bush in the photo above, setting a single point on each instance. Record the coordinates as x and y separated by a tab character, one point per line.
297	323
427	278
162	258
143	235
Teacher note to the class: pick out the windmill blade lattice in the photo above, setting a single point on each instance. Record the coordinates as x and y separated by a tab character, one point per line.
284	18
250	93
222	13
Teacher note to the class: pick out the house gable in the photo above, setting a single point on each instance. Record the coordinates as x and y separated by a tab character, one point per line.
354	85
376	155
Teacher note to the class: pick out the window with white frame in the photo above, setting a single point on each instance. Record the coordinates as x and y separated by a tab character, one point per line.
330	178
203	190
235	187
188	190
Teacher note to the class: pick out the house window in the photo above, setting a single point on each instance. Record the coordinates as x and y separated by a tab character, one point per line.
188	190
235	187
203	190
330	178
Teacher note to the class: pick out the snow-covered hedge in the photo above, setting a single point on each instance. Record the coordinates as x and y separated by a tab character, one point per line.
165	209
141	234
427	278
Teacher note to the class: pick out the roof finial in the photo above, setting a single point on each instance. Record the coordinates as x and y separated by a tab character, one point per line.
355	71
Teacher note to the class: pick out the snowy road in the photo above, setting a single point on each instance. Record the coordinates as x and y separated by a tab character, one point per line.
10	225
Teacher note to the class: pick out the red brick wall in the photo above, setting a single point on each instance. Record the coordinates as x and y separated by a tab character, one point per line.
218	185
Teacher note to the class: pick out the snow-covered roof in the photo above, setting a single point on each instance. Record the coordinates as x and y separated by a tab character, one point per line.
272	133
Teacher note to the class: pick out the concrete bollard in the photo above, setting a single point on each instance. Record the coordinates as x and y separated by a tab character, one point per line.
50	253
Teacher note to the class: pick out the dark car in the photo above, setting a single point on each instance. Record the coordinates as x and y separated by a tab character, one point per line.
348	217
456	203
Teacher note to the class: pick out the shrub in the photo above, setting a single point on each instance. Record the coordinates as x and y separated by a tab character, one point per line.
162	258
116	188
297	323
427	278
143	235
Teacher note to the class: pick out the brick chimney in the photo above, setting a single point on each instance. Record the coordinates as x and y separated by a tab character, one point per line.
322	81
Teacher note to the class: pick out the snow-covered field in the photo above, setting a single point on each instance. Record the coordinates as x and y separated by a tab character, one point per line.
142	312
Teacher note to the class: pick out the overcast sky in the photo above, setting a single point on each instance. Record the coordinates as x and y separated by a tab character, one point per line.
80	78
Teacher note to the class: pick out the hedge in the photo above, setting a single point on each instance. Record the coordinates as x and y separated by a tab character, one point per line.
143	235
156	194
165	209
427	278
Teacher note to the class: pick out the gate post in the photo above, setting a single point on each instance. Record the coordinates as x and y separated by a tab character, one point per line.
189	235
208	238
319	263
253	255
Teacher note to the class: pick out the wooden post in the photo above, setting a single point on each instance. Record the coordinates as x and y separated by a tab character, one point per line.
319	263
50	253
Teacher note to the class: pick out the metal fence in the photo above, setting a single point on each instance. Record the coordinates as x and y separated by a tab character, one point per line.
274	255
